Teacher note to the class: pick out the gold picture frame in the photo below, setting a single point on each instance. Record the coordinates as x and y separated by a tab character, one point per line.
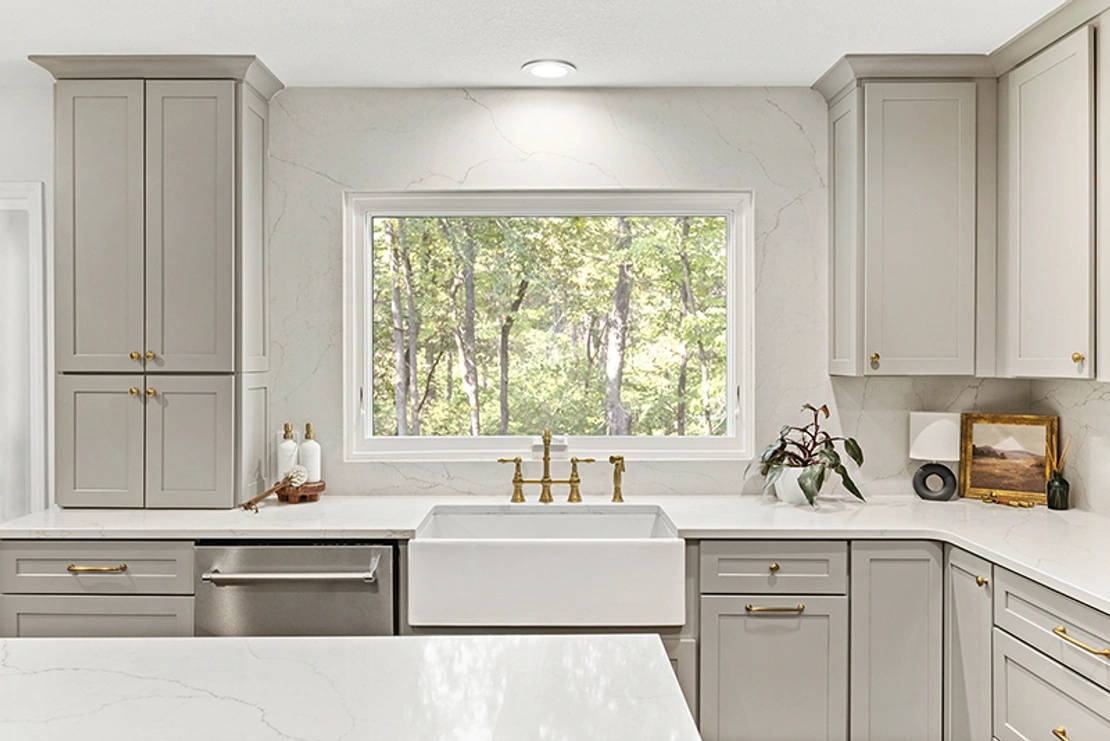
1003	460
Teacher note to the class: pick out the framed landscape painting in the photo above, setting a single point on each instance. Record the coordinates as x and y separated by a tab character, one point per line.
1005	457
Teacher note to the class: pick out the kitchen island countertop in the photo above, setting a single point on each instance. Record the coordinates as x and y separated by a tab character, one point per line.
617	687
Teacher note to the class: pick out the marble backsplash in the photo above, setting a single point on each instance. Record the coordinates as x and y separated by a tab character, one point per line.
772	141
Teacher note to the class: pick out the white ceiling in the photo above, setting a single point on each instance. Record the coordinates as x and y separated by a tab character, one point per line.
482	43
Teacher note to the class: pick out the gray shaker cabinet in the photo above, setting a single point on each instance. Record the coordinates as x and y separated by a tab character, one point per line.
968	621
190	441
99	444
896	641
125	444
769	674
190	225
99	232
161	270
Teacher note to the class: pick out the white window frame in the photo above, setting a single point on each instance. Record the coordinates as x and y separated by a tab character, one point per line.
361	207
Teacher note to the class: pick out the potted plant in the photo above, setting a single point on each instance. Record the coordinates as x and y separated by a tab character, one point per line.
799	462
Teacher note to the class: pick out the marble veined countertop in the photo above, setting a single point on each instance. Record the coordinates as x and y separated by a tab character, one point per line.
1067	551
464	688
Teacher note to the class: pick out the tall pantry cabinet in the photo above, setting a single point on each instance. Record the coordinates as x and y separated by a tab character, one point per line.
160	280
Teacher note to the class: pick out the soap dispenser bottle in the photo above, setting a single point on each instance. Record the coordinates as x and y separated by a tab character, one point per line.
287	452
310	454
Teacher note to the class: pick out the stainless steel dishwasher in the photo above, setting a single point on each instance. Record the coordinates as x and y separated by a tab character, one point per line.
294	590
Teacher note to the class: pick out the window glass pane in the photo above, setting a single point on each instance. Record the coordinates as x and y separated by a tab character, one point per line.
589	325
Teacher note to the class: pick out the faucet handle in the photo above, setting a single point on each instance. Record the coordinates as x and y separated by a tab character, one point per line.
518	478
618	469
575	479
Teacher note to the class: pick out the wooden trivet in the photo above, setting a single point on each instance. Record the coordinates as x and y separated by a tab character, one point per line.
303	493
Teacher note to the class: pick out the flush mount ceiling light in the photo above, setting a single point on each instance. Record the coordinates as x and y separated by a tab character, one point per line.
548	69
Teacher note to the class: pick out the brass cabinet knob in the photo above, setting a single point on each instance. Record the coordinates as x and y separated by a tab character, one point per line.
875	357
1061	733
150	355
135	355
1078	357
133	391
150	392
774	568
982	581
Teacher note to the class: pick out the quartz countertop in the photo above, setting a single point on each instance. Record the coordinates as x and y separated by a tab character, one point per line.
1067	551
561	688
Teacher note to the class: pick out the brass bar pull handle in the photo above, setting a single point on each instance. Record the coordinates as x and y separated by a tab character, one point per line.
982	581
1061	631
1060	733
799	608
75	569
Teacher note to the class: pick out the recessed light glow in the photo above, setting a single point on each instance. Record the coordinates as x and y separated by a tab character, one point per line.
549	69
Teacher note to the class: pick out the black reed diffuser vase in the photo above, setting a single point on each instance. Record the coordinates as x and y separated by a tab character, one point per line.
1057	488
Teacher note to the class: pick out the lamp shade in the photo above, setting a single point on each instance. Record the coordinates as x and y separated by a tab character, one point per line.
934	436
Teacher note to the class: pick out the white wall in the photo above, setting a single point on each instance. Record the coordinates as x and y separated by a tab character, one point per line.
26	154
325	141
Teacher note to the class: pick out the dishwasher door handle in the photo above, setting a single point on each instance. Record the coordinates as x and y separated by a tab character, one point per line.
216	578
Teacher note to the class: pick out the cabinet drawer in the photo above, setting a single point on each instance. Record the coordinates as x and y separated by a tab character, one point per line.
84	616
774	567
1033	612
57	567
1035	697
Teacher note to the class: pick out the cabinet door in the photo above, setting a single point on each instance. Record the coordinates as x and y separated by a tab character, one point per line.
190	442
1047	240
769	675
98	239
896	598
968	620
919	241
82	616
190	243
845	241
99	441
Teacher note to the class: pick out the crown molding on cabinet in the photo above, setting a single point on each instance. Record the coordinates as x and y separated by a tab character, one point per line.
245	67
1044	32
854	67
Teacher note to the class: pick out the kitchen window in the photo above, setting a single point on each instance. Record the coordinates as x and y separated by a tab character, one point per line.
475	320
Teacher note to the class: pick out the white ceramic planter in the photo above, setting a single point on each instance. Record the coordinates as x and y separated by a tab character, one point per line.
787	489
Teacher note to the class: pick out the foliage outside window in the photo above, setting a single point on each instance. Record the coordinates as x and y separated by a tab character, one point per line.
480	318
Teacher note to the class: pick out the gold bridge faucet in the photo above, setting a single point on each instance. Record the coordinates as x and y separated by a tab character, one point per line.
574	481
546	480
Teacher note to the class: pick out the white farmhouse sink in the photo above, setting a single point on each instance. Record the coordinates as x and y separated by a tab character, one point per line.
546	565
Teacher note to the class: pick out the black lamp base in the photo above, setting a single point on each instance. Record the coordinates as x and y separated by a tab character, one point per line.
921	481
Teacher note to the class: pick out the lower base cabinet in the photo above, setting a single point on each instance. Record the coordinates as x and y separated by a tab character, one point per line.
897	641
773	668
84	616
968	622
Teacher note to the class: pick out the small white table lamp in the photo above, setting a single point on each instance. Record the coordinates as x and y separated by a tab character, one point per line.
934	436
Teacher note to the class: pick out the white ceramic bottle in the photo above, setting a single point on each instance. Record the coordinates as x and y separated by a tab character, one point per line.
310	454
287	452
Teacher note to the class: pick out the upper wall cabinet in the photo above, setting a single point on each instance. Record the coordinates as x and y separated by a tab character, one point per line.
1046	246
160	259
902	273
